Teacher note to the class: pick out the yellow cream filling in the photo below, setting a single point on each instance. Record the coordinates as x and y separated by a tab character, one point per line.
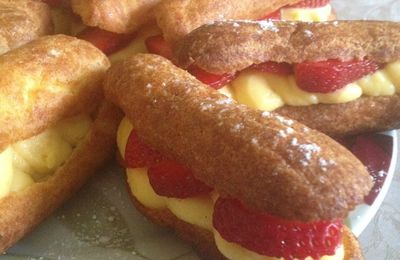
35	159
137	45
319	14
267	91
197	211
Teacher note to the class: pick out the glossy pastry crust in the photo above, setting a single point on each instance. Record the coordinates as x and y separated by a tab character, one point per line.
233	46
305	175
22	21
203	240
120	16
176	18
46	80
22	211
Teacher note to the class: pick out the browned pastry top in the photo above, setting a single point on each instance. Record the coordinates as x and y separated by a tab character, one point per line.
46	80
270	162
22	21
120	16
232	46
176	18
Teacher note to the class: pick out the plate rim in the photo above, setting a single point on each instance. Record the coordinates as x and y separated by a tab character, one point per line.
362	215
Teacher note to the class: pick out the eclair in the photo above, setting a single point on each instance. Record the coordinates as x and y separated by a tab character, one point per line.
154	26
56	130
176	18
238	183
23	21
344	86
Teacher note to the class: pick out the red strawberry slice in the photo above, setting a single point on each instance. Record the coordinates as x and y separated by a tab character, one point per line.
272	236
213	80
310	3
171	179
376	160
331	75
283	69
106	41
138	154
272	16
157	45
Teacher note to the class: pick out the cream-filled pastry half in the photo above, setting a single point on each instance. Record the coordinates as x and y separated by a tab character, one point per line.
35	159
56	129
294	69
220	147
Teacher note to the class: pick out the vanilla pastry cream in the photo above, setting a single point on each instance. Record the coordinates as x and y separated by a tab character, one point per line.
36	158
319	14
197	211
267	91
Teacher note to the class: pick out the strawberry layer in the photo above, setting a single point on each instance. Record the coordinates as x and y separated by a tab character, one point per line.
268	91
197	211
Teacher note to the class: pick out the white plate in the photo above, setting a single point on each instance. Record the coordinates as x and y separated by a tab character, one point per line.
363	214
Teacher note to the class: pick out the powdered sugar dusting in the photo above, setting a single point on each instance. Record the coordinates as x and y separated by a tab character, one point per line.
324	164
282	133
268	25
235	24
254	141
308	33
224	101
285	132
266	114
289	130
309	150
237	127
206	106
285	121
54	53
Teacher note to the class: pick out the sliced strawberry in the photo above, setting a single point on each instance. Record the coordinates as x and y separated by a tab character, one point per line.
213	80
138	154
272	236
157	45
310	3
171	179
272	16
331	75
377	161
107	42
283	69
